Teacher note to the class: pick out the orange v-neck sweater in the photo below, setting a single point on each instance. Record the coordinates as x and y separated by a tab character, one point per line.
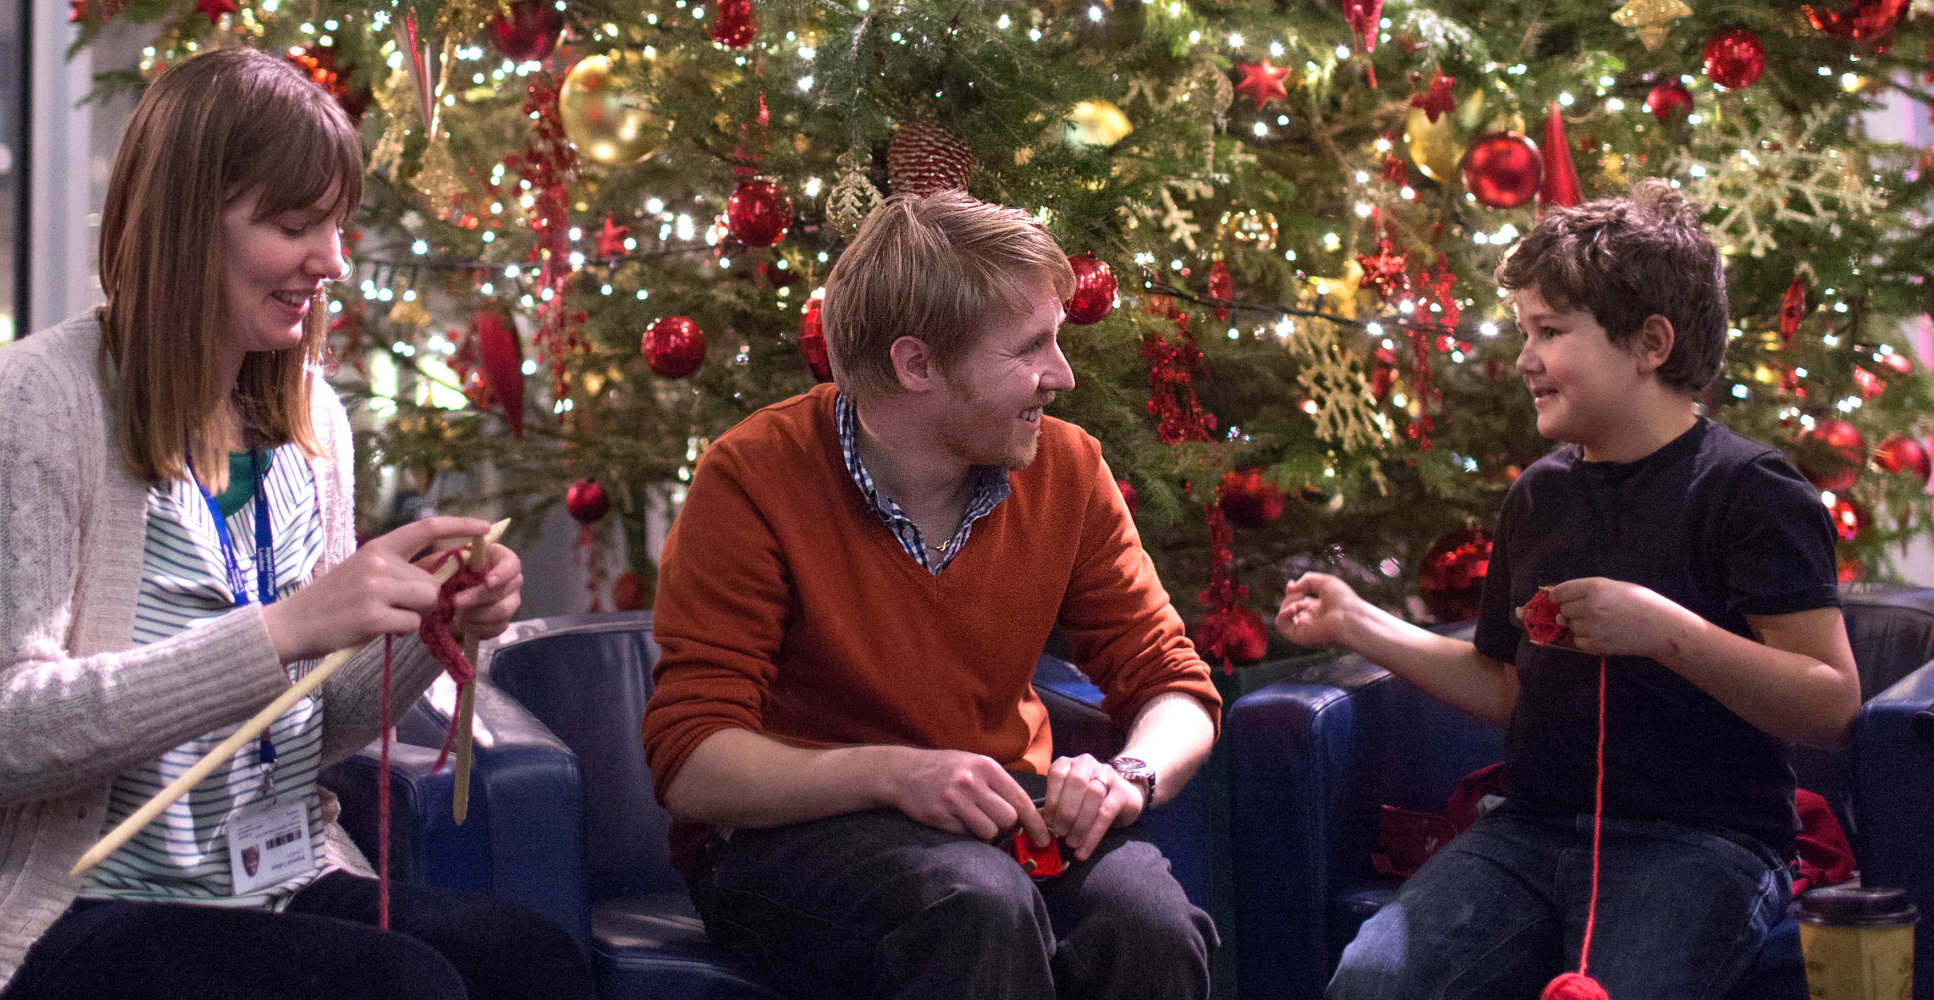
785	607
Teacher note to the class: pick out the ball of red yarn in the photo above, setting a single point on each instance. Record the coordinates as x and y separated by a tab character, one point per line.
1573	986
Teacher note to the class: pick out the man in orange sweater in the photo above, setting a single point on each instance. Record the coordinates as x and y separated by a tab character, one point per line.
850	606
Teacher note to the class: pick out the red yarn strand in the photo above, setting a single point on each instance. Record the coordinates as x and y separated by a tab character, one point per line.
443	646
1598	825
382	805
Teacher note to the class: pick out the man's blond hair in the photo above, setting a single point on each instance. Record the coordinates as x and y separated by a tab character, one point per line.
935	268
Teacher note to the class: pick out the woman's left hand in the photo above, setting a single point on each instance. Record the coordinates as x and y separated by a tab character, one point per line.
485	610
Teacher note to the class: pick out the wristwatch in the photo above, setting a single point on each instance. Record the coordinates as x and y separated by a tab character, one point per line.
1137	770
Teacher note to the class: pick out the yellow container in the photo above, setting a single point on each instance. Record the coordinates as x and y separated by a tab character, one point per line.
1858	943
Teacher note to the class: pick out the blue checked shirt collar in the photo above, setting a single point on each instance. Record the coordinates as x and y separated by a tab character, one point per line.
990	488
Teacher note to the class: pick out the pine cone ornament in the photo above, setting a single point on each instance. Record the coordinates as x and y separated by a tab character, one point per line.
924	158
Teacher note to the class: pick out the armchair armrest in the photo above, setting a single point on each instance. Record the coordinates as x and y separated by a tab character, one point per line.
523	839
1288	743
1893	802
1311	762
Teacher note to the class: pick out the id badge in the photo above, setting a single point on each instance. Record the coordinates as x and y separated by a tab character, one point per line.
268	844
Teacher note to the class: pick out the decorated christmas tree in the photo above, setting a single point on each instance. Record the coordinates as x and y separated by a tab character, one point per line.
595	231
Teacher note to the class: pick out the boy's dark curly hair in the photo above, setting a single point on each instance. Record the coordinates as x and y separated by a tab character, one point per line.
1625	258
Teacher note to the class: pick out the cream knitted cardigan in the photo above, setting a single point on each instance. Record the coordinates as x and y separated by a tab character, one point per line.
79	704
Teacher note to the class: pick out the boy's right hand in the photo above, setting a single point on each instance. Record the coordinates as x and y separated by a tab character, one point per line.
964	792
1315	606
376	591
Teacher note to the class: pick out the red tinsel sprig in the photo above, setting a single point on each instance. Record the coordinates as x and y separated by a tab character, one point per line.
1172	368
549	164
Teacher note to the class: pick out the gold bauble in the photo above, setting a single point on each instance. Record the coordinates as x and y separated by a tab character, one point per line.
608	114
1432	145
1097	123
1250	229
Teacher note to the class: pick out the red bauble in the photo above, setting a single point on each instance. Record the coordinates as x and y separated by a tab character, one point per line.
1094	289
1849	518
586	501
527	29
1863	20
734	26
812	342
628	592
1129	496
1573	986
1232	636
758	213
1560	185
1451	580
1735	58
1248	498
1904	454
674	346
1832	454
502	359
924	157
1669	100
1503	169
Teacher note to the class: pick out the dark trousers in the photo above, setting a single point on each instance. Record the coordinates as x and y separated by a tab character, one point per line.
874	904
442	945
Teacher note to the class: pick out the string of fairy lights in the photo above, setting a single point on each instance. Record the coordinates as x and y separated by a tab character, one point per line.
393	271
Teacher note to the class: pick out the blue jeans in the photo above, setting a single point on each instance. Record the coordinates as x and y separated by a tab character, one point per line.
1501	910
874	904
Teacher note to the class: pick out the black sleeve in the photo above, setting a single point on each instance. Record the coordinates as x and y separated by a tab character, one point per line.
1778	548
1497	628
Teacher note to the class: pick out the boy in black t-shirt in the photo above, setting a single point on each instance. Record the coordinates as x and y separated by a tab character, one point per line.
1699	566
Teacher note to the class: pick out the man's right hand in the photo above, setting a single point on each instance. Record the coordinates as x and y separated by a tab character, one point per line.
962	792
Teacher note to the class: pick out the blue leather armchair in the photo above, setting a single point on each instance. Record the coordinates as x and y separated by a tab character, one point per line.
1312	762
563	819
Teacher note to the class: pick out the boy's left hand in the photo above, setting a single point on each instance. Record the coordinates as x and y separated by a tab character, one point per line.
1614	618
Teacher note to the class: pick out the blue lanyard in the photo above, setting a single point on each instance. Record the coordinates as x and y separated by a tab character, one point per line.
238	584
264	538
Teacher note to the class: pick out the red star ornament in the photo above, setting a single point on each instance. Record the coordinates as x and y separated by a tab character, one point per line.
1436	99
215	9
611	238
1263	82
1385	271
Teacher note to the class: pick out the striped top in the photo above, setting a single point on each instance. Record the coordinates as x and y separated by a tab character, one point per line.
182	856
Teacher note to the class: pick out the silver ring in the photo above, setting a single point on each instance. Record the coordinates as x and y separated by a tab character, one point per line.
1099	782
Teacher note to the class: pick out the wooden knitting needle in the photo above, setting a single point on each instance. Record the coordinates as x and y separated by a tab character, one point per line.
256	725
253	728
467	694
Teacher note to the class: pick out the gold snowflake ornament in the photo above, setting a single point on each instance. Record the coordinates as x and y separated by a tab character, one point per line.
1651	19
1340	398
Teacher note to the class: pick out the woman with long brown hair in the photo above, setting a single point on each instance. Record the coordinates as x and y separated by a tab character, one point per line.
177	529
